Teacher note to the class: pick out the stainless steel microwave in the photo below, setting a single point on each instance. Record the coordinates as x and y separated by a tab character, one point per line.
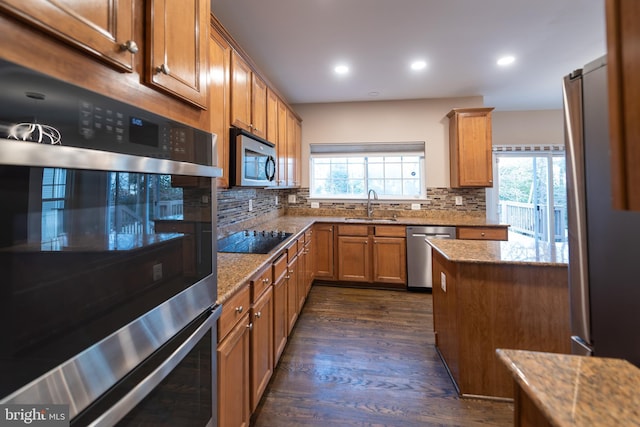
253	160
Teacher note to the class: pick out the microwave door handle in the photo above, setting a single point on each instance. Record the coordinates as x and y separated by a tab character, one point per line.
271	174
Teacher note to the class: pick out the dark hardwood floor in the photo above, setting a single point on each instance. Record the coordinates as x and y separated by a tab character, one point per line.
362	357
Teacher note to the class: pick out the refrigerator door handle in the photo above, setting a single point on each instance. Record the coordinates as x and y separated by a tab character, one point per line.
578	268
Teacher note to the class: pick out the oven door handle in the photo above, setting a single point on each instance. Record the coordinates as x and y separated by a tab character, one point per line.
137	394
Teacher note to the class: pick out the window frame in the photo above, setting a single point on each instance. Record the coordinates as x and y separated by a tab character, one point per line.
366	151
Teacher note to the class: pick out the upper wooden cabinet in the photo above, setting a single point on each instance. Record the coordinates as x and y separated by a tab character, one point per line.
219	99
623	62
470	147
272	116
177	48
103	28
248	98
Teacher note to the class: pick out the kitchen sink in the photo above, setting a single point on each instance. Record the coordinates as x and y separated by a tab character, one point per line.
371	219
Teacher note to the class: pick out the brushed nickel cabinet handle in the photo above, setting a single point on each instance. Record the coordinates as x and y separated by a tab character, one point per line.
129	46
239	309
164	69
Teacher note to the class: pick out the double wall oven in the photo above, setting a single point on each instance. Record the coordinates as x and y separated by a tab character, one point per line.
107	257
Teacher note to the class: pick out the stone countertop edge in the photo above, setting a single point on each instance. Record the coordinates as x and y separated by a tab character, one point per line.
577	391
234	270
501	252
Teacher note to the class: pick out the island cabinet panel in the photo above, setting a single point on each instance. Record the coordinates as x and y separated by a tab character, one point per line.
177	56
489	306
102	28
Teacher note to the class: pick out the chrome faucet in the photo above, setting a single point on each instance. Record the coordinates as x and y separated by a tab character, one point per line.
369	207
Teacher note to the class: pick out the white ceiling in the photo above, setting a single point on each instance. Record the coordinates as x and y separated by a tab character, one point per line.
297	43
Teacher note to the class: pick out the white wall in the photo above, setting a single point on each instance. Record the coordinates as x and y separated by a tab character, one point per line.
528	127
418	120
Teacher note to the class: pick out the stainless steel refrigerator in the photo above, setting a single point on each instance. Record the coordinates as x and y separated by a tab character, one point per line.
604	244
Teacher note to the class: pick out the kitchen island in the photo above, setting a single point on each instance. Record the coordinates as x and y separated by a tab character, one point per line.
489	295
573	391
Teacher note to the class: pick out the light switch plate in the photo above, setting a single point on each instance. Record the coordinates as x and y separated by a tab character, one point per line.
443	281
415	206
250	205
291	198
315	205
458	200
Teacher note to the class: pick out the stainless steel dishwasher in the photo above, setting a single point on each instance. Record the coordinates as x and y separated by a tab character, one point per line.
419	254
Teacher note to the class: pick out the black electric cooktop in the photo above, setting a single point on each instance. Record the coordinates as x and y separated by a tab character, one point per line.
252	241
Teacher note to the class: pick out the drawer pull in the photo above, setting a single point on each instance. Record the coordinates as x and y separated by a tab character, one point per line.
258	315
250	326
239	309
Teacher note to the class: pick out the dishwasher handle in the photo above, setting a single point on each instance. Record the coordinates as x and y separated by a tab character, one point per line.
434	236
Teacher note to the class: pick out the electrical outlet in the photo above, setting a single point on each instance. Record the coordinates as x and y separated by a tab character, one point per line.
415	206
443	281
157	272
250	205
205	199
291	198
458	200
315	205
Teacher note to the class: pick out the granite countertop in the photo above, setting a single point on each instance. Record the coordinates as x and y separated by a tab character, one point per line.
527	252
574	391
235	269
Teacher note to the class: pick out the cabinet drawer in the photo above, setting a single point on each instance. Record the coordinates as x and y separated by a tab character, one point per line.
308	236
279	268
353	230
482	233
300	243
260	283
233	310
390	231
292	250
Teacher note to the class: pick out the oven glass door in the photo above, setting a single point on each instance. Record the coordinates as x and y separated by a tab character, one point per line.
85	252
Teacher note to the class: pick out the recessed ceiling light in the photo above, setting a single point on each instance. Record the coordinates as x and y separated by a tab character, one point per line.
506	60
418	65
341	69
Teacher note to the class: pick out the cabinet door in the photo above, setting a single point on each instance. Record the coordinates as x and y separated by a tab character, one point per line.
233	377
323	253
280	320
240	92
292	294
281	145
272	117
219	88
302	278
623	62
389	260
354	259
100	27
292	150
261	346
178	40
258	106
470	147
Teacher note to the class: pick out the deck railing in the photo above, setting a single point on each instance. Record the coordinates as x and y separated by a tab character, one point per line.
531	220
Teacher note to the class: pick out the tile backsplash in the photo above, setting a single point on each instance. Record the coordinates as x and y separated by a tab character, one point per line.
234	213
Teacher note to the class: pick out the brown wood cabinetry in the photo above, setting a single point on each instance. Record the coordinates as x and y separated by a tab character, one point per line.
623	62
280	320
273	104
294	151
323	251
261	338
101	28
470	147
233	353
482	233
281	145
248	97
177	48
219	100
372	255
292	289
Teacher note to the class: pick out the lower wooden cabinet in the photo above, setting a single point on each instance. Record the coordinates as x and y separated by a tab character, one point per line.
261	345
292	293
372	255
323	251
280	319
482	233
233	376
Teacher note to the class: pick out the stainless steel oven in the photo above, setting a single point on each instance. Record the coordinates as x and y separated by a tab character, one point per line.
107	255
